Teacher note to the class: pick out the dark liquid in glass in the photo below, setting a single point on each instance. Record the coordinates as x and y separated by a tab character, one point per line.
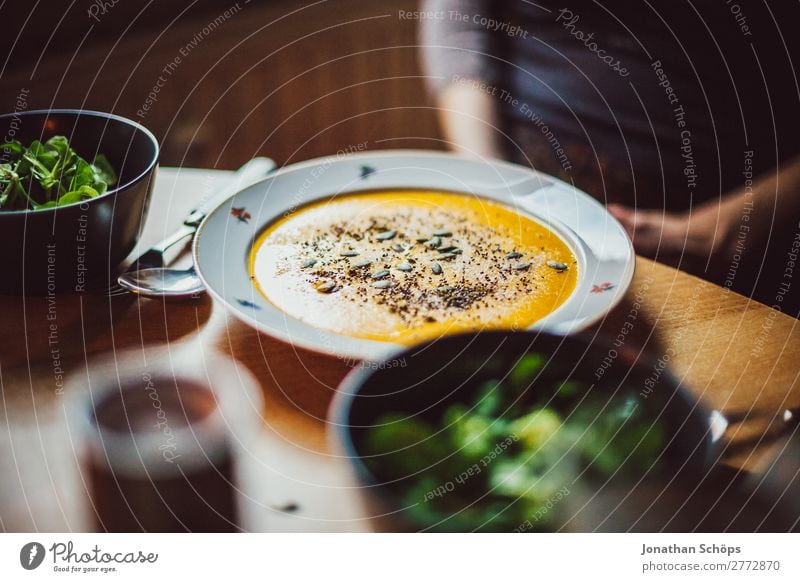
167	485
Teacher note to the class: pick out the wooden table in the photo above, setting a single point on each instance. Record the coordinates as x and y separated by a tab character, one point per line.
739	356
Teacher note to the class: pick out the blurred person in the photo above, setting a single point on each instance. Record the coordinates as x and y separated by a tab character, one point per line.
680	116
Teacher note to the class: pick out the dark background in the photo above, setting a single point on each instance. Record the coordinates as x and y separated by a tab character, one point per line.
288	79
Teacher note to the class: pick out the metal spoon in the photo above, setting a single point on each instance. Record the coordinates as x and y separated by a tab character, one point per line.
157	281
160	282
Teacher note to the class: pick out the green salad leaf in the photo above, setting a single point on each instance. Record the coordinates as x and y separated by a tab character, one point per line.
50	174
507	457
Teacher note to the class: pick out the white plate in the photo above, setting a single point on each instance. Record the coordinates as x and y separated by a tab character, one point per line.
225	238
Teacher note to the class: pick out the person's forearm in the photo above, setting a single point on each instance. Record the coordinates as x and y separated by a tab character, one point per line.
469	120
712	237
456	61
773	202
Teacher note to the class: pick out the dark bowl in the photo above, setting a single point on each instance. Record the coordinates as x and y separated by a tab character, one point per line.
426	379
78	247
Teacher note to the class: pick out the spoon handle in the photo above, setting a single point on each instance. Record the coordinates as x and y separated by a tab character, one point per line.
249	173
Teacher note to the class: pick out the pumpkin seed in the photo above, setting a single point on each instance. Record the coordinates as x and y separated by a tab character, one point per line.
436	268
398	248
309	263
404	267
443	232
386	235
385	284
446	256
349	253
421	239
362	263
445	289
521	267
434	243
557	265
380	274
326	286
514	256
447	249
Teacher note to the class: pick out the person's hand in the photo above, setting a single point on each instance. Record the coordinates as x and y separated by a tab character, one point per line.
686	240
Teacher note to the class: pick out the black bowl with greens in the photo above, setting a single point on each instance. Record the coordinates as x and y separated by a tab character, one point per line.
74	192
515	431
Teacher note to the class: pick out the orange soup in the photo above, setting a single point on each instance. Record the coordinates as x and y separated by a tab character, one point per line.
406	266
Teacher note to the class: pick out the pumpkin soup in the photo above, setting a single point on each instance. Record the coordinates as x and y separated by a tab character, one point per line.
406	266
